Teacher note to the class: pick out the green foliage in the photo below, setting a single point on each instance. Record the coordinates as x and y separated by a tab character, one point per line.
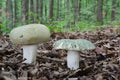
56	26
63	19
3	27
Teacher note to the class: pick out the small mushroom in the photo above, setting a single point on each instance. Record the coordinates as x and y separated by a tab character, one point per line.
73	46
29	36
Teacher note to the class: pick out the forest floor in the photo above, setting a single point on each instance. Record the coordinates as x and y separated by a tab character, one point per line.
103	63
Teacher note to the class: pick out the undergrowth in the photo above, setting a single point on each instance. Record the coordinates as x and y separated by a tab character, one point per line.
64	26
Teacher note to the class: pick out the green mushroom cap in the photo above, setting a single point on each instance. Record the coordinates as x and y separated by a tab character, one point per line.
74	44
29	34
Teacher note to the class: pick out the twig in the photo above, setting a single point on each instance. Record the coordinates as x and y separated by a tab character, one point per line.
79	70
73	73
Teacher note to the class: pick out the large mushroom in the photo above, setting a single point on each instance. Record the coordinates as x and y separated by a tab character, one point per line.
29	36
73	46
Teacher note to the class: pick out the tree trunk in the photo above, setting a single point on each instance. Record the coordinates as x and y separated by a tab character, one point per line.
35	10
67	15
25	7
31	11
9	13
3	13
38	10
41	11
67	8
79	8
15	12
58	8
114	5
1	17
0	8
51	9
99	12
76	10
45	12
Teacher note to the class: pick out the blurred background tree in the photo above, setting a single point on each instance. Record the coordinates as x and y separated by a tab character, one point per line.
59	15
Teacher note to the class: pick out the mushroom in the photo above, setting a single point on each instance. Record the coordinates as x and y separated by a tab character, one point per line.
73	46
29	36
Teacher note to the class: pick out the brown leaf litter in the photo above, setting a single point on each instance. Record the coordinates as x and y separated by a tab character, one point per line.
103	63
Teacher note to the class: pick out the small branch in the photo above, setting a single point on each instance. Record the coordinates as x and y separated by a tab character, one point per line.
80	71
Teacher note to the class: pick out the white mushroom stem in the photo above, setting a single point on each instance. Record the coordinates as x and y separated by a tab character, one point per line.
29	53
73	58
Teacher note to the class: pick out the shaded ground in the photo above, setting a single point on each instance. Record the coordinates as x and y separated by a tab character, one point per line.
103	63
